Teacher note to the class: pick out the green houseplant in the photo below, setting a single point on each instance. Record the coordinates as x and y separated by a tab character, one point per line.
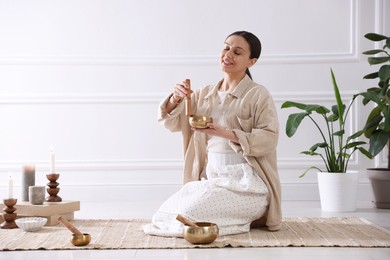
377	127
337	147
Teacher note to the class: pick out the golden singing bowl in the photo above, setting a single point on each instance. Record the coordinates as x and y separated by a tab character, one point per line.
200	121
80	240
205	233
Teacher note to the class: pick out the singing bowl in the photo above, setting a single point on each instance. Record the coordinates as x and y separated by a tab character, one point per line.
80	240
205	233
200	121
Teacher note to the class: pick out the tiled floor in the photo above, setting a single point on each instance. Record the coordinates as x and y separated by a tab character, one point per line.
290	209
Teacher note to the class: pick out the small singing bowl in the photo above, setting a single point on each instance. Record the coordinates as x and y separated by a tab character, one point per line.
200	121
205	233
80	240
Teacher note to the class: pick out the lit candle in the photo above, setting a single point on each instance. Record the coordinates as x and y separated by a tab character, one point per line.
52	162
10	186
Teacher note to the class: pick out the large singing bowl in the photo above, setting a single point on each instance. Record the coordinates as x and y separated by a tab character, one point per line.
205	233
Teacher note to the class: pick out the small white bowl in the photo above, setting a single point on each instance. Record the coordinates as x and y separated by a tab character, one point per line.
31	224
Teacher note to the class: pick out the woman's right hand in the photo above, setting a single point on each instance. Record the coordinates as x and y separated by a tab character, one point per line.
181	90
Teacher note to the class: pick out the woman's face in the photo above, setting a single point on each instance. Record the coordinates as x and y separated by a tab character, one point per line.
235	56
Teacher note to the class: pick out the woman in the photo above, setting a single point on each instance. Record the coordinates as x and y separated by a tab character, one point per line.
230	170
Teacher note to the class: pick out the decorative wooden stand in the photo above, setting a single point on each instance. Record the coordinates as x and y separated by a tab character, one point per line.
10	216
53	190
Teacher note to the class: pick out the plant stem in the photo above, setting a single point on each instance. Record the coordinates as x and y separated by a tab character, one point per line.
327	152
344	151
332	156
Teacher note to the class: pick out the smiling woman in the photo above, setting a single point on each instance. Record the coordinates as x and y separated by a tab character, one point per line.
239	47
230	170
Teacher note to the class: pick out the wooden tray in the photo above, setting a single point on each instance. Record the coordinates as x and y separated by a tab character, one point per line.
50	210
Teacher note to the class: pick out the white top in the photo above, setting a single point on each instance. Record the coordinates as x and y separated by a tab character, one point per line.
218	144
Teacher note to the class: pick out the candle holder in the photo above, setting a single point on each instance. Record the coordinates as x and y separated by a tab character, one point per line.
53	190
9	216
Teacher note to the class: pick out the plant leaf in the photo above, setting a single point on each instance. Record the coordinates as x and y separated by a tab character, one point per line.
307	107
386	116
354	144
332	118
374	92
372	52
335	110
293	122
378	141
311	153
355	135
375	37
373	120
289	104
318	109
339	133
377	60
384	73
321	145
338	98
371	75
311	168
365	152
375	98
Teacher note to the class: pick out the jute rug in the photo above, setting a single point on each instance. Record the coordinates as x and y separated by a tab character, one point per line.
128	234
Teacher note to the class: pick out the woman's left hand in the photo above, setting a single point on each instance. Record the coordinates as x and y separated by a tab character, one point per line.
217	130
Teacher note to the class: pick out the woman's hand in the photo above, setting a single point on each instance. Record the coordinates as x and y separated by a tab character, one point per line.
217	130
181	90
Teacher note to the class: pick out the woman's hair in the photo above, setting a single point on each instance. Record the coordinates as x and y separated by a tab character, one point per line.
254	45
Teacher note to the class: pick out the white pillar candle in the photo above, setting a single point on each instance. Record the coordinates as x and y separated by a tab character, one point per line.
52	162
10	187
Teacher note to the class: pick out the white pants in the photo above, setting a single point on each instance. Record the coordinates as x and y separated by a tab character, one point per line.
232	197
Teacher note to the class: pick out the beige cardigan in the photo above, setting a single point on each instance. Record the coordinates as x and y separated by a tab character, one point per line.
252	117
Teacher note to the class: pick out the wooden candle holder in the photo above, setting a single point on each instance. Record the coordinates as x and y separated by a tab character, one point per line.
9	216
53	190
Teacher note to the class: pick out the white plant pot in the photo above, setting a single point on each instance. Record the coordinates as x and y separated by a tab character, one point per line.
338	191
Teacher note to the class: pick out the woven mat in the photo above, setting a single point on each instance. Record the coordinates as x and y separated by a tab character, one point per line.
128	234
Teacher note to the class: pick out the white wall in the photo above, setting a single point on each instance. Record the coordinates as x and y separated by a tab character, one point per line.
86	77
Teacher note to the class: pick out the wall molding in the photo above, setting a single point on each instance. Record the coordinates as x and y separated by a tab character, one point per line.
102	165
76	98
302	58
121	98
148	165
158	193
142	165
379	19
